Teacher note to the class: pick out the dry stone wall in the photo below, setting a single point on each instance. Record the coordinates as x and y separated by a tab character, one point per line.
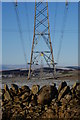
48	102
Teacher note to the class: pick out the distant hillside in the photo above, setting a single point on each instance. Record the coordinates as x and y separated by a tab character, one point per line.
14	67
74	67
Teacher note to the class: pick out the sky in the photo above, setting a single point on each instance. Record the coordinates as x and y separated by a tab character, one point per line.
12	49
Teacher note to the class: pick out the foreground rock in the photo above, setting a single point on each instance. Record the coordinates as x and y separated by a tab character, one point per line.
48	102
35	89
63	92
61	86
46	94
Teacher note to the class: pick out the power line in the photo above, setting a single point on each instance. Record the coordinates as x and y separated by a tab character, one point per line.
62	33
55	21
20	31
28	24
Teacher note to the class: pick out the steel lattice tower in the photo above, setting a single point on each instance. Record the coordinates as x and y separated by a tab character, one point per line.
41	34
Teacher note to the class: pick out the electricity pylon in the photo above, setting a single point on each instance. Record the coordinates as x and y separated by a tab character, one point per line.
41	34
